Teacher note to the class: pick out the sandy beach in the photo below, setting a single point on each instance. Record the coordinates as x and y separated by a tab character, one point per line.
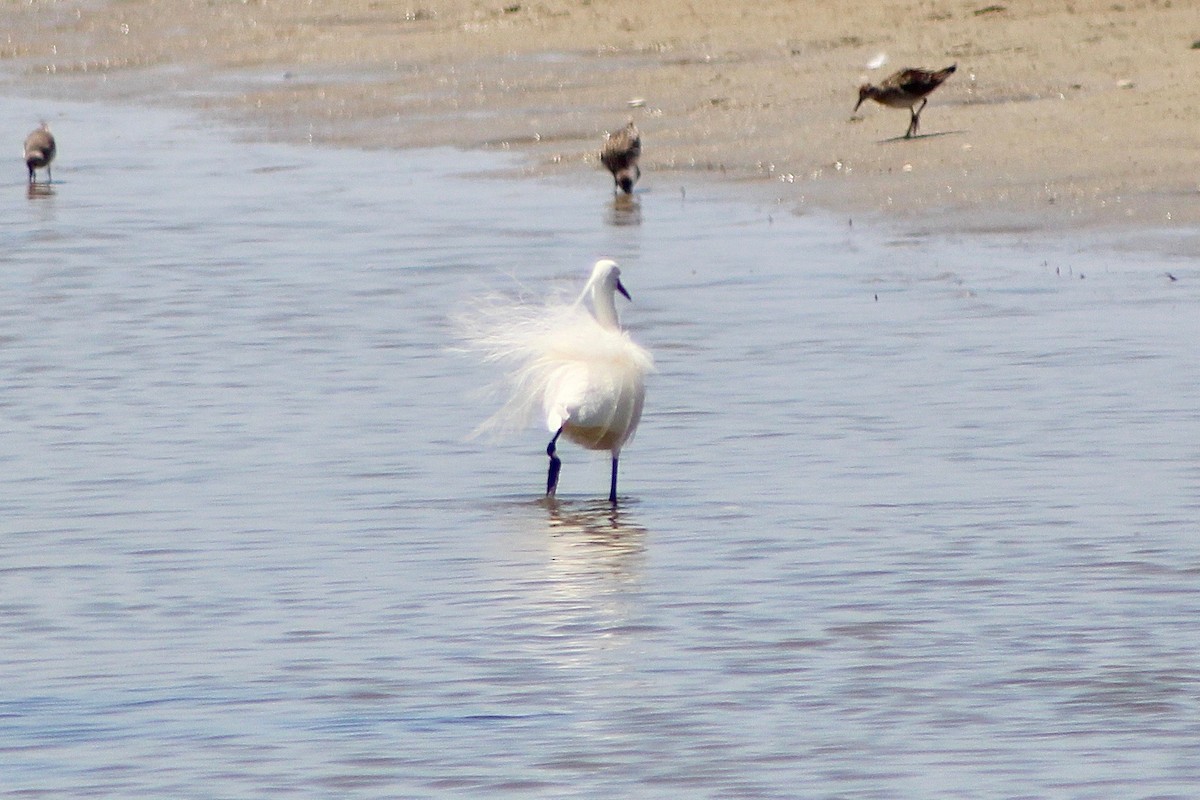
1077	114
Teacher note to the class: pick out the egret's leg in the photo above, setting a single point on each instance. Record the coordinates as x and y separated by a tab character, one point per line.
555	465
612	490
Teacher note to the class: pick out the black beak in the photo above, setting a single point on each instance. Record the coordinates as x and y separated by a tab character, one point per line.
859	103
621	289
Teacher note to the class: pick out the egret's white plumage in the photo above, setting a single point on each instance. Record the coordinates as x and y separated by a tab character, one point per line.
570	362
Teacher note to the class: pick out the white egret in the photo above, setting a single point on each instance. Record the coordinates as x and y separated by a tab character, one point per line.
39	151
575	365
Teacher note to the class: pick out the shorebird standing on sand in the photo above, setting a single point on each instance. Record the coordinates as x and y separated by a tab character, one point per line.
39	151
620	154
904	89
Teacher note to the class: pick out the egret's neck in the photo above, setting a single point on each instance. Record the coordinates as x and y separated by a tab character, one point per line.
604	306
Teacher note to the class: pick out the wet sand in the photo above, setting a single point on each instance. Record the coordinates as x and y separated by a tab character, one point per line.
1059	114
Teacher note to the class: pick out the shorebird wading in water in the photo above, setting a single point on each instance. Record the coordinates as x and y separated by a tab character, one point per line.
39	151
904	89
620	155
574	365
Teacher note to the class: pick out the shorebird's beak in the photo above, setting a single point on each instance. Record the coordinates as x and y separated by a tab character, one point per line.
621	289
863	94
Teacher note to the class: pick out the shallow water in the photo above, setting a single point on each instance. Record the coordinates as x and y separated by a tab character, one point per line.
906	516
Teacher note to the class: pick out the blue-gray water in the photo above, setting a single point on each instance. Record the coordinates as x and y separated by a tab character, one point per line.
942	543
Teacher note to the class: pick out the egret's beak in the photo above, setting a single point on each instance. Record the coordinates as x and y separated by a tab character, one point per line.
621	289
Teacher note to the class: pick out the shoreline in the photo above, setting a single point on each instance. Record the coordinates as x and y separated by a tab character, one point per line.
1057	118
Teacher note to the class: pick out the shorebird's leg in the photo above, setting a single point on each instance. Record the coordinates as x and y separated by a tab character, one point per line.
32	178
555	465
612	489
916	119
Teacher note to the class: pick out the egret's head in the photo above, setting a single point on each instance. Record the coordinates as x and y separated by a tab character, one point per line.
606	275
601	289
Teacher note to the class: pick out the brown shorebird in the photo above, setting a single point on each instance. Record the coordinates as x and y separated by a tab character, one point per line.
39	151
905	89
620	154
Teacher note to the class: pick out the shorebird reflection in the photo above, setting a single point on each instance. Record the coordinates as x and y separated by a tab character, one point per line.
624	210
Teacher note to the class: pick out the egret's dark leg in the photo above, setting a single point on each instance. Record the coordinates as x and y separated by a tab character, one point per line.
555	465
612	490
